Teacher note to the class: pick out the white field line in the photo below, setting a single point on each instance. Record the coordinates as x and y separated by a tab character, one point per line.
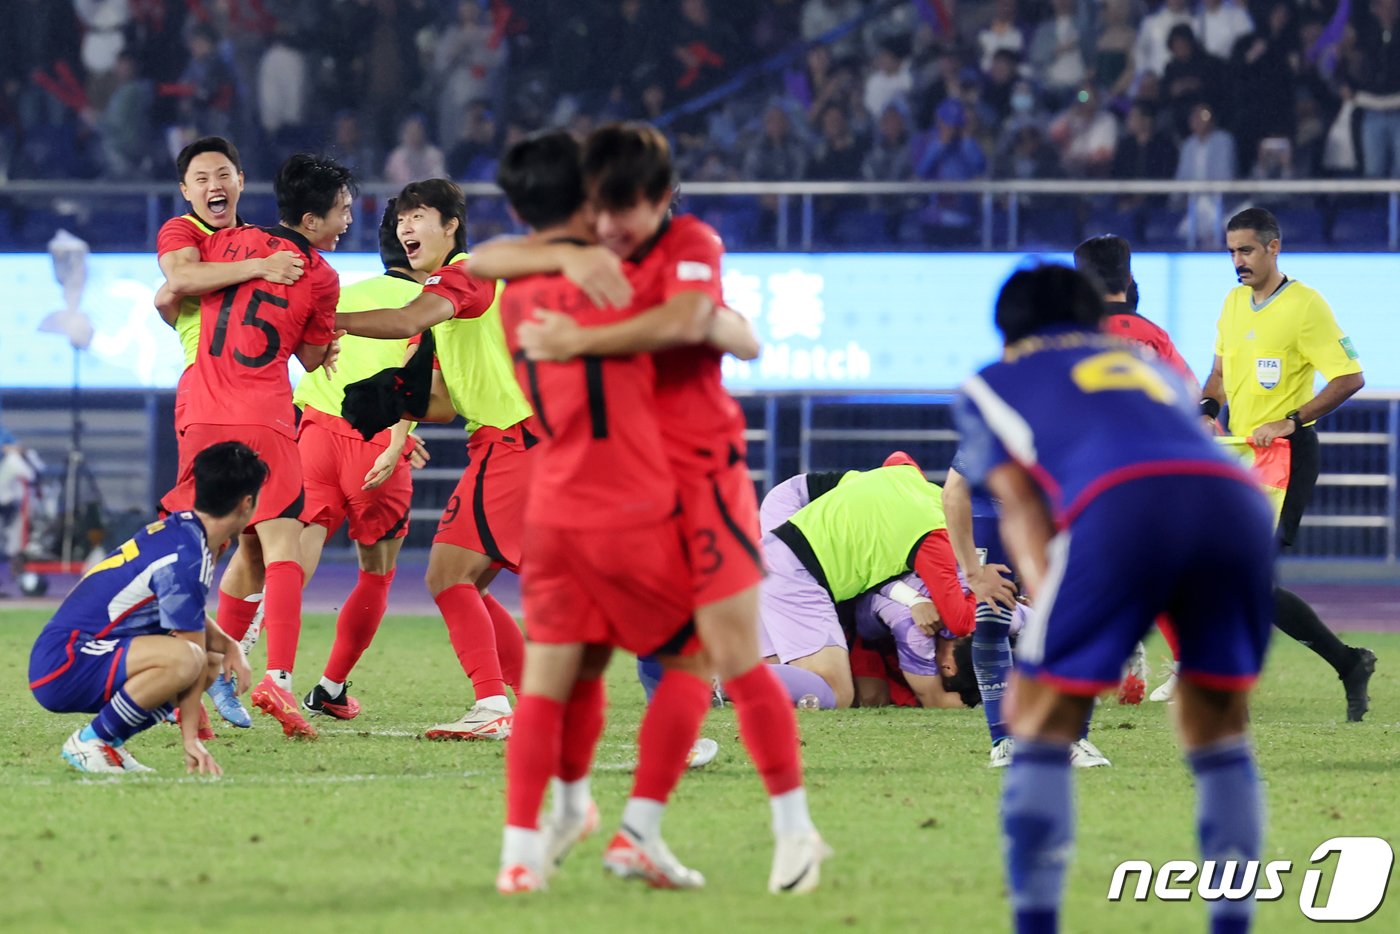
149	779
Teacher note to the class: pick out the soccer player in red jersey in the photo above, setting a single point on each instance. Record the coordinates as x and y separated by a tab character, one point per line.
211	180
630	179
239	390
481	526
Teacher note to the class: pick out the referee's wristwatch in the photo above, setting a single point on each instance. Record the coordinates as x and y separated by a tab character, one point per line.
1297	422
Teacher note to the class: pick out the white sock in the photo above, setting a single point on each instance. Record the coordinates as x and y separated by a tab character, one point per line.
497	702
522	846
790	815
333	688
571	799
283	678
643	817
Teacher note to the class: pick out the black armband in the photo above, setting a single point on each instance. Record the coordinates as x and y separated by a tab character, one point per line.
1210	408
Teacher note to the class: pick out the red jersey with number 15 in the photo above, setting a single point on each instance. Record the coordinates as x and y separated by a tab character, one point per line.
248	332
700	421
601	464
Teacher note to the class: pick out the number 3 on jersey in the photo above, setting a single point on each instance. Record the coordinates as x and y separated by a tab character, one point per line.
250	318
1118	369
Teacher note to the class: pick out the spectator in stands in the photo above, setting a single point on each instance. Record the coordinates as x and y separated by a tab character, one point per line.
284	87
779	155
125	123
890	158
703	49
819	17
1057	57
1151	53
465	62
1262	79
626	50
415	157
998	84
1027	109
1086	135
1192	77
1208	154
351	149
954	157
475	155
210	95
936	84
1274	163
1028	156
1002	33
103	22
1144	151
1220	24
1113	51
1375	74
889	79
839	153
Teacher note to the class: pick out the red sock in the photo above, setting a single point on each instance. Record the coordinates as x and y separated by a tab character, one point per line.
473	637
1168	630
359	619
669	728
510	642
768	727
236	615
532	757
282	613
583	724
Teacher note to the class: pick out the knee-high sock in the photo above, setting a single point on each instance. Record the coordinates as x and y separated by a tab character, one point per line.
991	661
532	757
282	613
122	718
510	641
768	728
584	719
358	621
1037	818
1295	618
1168	630
669	728
473	638
649	673
236	614
799	683
1229	818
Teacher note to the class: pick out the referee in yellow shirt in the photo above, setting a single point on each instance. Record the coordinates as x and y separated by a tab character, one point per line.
1274	335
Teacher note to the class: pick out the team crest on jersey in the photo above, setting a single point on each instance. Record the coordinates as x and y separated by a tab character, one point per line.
1268	370
691	271
433	280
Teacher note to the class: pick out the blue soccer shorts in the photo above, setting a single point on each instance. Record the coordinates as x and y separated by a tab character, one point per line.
76	672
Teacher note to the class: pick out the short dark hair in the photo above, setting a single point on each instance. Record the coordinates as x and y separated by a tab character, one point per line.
1260	221
307	184
1045	296
542	177
964	683
391	251
1182	31
1108	259
224	473
626	162
445	196
202	145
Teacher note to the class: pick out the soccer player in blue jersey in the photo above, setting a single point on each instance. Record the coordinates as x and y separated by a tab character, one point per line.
131	640
1112	498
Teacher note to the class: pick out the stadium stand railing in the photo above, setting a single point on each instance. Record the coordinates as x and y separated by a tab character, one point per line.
1358	215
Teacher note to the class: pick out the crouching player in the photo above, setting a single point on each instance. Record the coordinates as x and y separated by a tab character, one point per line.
132	638
1086	444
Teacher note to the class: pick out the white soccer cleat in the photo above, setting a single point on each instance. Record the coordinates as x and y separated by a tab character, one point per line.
250	638
1001	753
129	763
630	857
1167	691
561	836
1085	755
93	756
797	863
702	753
478	723
517	879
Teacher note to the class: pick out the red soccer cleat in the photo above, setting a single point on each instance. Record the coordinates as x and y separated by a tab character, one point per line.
1131	690
206	728
278	703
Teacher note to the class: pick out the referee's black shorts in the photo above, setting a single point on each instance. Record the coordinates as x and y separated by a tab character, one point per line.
1305	462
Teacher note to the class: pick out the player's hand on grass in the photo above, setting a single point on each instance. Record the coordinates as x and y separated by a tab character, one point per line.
198	761
1269	432
550	337
926	618
283	268
598	272
989	586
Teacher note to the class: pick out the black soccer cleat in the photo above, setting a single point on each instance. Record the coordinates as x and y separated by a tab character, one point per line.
1356	682
319	701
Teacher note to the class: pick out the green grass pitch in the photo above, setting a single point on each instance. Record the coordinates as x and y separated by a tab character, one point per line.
371	829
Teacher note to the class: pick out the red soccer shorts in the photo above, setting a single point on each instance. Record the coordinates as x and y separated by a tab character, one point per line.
871	663
486	512
619	587
719	513
333	467
282	496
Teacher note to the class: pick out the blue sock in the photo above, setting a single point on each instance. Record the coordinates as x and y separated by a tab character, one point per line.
1037	818
120	719
649	673
991	660
1088	719
1229	819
